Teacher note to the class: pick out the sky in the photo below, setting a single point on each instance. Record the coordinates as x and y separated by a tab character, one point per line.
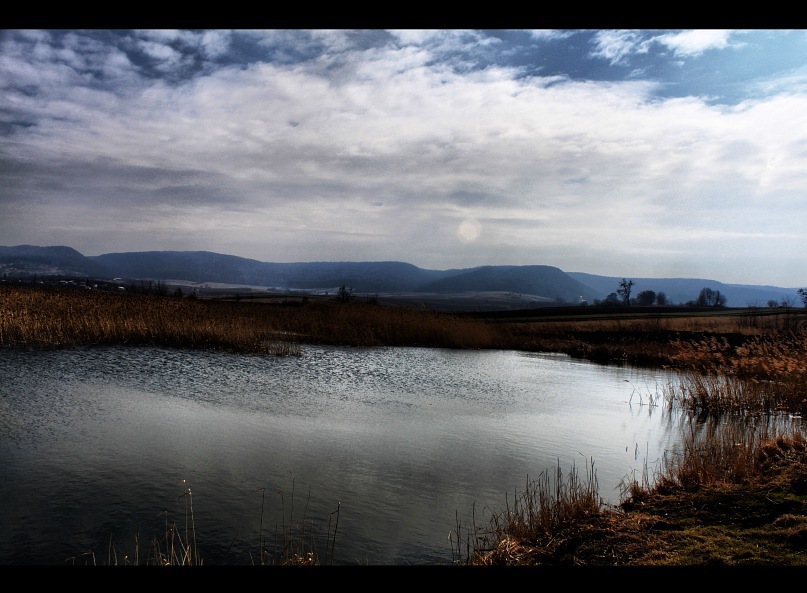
638	153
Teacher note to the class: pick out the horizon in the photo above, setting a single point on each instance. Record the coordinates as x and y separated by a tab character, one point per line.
471	267
639	153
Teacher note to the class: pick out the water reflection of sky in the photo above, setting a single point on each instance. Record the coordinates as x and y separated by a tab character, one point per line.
404	438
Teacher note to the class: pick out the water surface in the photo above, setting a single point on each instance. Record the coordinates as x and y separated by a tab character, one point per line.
388	447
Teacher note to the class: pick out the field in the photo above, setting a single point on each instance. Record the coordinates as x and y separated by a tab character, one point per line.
730	497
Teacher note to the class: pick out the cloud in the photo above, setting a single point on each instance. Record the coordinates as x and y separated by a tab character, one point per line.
693	43
290	140
617	46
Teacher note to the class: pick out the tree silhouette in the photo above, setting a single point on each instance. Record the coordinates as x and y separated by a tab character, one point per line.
646	297
625	287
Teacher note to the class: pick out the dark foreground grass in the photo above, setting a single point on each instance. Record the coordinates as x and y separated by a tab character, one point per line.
295	541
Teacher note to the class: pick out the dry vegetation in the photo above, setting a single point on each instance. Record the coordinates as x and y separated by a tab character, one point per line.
54	318
735	494
647	339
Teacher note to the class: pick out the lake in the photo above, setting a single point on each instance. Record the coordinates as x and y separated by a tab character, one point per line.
370	455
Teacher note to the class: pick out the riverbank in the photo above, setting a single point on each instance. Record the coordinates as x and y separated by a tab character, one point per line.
735	495
757	520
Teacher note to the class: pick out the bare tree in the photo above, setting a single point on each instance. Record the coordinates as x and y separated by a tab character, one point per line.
710	298
624	291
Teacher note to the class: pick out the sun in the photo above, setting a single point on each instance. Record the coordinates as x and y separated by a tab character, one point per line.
469	230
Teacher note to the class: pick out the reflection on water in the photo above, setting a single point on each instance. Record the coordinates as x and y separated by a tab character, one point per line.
396	444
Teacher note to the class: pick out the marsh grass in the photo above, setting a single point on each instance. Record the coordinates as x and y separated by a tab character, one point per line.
650	339
732	494
175	545
544	507
32	318
297	542
717	451
765	374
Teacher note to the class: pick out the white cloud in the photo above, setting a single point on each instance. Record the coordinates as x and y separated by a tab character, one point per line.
545	34
616	46
215	43
692	43
161	52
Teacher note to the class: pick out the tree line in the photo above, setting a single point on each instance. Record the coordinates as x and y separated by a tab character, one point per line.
623	295
707	297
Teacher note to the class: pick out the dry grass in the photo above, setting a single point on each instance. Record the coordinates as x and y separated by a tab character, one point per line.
545	507
648	339
174	546
715	502
51	318
765	374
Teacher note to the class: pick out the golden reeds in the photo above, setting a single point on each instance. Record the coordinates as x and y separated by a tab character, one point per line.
51	318
546	506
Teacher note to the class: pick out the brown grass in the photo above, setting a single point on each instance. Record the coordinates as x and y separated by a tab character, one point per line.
545	507
53	318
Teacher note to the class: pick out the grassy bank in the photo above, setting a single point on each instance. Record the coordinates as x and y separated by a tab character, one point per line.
716	503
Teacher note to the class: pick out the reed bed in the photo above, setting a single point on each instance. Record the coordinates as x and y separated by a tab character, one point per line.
52	318
655	339
298	541
546	506
731	494
175	545
765	374
719	452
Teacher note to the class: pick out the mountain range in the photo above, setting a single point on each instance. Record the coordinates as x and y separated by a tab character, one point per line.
521	286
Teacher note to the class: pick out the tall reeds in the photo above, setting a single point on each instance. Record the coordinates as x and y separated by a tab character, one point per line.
297	542
52	318
175	546
764	374
546	505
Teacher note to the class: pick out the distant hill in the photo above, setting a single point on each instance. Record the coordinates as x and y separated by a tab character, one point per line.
546	281
30	260
205	266
483	286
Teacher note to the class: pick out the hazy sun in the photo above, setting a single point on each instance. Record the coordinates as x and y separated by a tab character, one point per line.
469	230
